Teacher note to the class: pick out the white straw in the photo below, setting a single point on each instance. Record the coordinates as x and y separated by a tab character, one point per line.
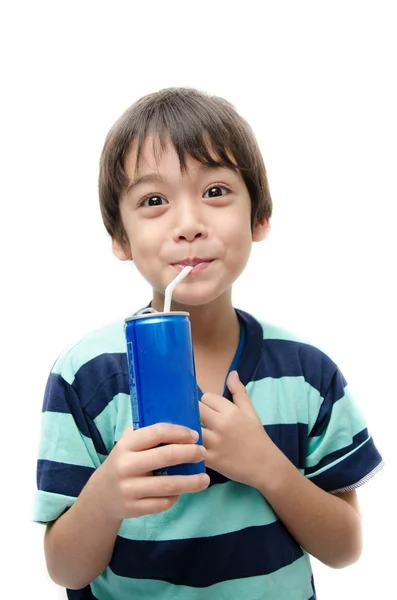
170	288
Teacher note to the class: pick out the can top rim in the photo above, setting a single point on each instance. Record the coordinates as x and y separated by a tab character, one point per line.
157	314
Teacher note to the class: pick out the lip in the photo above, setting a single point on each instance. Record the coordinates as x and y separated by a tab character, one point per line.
192	262
198	264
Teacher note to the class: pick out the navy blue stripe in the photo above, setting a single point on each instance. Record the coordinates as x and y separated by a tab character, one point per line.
292	441
335	392
314	590
83	594
358	439
290	438
100	379
62	397
215	477
95	385
286	358
201	562
351	470
250	356
62	478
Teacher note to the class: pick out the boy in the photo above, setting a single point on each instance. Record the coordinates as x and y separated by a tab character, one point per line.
182	181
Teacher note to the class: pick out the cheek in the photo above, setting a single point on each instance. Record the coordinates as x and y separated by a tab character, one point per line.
239	244
238	234
142	243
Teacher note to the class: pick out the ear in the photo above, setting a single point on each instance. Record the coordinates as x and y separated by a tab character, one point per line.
121	250
261	229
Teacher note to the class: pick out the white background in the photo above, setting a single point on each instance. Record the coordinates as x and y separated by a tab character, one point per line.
316	80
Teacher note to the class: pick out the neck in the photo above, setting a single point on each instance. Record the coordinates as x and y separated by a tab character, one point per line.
213	325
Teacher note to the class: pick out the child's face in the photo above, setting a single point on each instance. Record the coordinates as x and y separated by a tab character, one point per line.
172	217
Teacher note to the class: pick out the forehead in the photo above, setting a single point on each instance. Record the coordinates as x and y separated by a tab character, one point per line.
155	155
151	155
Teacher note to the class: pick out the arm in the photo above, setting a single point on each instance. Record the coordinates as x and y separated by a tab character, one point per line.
79	544
327	526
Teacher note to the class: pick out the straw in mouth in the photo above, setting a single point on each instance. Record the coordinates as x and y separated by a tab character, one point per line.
170	287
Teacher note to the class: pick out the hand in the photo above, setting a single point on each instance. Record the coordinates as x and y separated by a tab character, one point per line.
233	435
125	482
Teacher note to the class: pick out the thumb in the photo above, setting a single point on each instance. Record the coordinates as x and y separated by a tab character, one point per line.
239	393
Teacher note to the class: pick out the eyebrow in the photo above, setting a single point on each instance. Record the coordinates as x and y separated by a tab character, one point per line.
149	178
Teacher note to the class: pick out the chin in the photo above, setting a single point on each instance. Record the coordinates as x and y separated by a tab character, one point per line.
196	299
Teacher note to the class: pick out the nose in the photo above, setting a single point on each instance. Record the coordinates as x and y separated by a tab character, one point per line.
189	224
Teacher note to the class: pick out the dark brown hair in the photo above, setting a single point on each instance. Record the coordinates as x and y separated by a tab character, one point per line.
204	127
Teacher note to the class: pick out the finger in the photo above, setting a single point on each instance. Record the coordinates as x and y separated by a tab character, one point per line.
209	440
154	435
167	485
217	403
208	417
240	394
164	456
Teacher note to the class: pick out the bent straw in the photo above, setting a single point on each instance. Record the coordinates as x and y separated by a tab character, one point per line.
171	286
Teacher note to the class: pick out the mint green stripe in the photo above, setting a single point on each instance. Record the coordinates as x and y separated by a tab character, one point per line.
108	339
61	441
272	332
293	581
346	421
285	400
48	506
114	419
240	506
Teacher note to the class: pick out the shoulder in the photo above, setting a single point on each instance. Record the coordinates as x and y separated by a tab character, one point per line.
286	353
272	331
94	347
280	339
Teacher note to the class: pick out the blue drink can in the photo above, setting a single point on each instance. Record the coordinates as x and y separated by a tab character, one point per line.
162	376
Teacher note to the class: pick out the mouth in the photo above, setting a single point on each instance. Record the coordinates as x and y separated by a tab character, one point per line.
198	264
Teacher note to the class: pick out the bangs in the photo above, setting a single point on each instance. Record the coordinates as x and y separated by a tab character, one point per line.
201	135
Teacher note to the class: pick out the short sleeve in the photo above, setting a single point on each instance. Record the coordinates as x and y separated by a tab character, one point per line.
341	452
70	450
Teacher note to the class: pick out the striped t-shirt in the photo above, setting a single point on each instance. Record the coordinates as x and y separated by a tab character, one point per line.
224	542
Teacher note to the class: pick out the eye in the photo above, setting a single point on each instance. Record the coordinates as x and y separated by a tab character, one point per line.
215	191
153	200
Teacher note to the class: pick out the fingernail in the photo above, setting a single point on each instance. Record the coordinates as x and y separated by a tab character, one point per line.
203	451
206	479
195	435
